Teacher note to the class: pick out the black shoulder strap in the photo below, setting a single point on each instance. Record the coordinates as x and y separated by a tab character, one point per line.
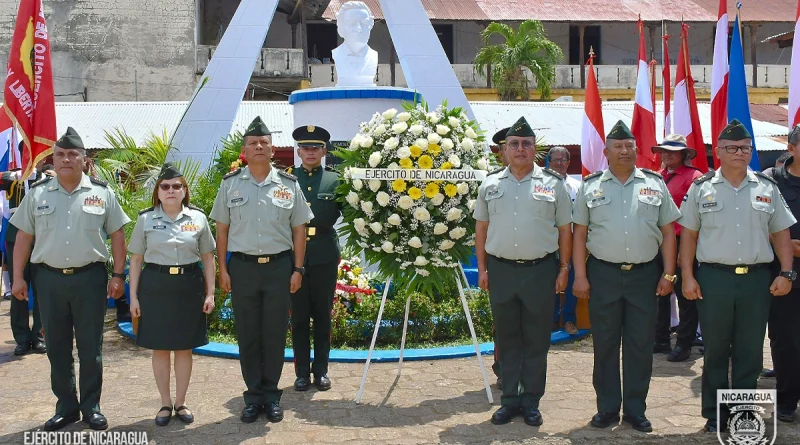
149	209
767	177
705	177
593	175
42	181
232	174
554	173
99	182
287	175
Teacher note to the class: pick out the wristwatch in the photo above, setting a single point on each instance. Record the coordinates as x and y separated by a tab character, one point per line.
671	278
789	275
121	276
300	270
566	266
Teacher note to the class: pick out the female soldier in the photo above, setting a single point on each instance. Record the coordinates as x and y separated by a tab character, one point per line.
171	237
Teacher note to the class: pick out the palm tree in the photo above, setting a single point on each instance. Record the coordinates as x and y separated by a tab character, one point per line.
527	47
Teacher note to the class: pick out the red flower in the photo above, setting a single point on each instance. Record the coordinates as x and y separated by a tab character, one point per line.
345	268
243	159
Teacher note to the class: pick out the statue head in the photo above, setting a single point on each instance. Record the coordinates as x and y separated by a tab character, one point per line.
354	22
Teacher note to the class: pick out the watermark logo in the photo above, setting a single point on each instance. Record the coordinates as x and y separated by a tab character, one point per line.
85	438
745	415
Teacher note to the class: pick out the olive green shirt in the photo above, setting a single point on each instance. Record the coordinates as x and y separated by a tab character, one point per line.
734	224
525	229
319	188
260	216
171	243
624	220
70	228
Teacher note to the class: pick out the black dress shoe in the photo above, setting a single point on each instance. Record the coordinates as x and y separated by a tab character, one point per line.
274	412
662	348
785	415
504	415
39	347
164	420
22	349
639	423
532	416
679	354
185	418
711	426
323	383
250	412
302	384
768	373
58	421
96	422
604	420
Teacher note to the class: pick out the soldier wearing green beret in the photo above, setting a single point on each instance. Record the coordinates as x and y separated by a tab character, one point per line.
314	299
622	216
729	217
70	216
523	216
499	139
261	216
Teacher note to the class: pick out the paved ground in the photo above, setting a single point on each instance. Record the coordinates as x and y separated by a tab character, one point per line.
433	402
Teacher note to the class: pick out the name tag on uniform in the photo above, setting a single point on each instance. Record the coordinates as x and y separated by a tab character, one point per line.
709	204
237	200
42	207
160	227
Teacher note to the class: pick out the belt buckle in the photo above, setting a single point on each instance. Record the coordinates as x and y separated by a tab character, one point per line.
742	270
68	271
311	231
626	267
174	270
263	260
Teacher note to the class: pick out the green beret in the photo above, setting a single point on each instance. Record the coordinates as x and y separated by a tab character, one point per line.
500	136
311	135
70	139
735	131
258	128
521	129
620	132
169	171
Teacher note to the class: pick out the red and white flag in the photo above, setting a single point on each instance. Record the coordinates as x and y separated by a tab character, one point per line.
794	79
593	139
643	125
665	85
719	78
686	118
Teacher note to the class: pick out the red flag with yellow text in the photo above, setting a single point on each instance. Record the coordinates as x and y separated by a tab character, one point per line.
28	94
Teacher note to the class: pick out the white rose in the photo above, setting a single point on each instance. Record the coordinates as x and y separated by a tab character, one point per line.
454	121
404	116
391	143
471	133
483	164
403	152
366	206
433	117
383	199
447	144
462	188
366	142
421	214
352	199
376	227
405	202
438	199
355	142
415	242
420	261
374	185
395	219
467	144
360	224
455	160
421	143
374	159
471	204
458	232
442	129
390	113
379	130
422	272
358	184
387	247
399	127
416	129
376	249
439	228
393	166
454	214
434	138
446	245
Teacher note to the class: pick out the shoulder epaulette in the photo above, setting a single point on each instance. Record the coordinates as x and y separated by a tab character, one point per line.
99	182
654	173
149	209
494	172
194	207
289	170
232	174
593	175
767	177
554	173
287	175
42	181
705	177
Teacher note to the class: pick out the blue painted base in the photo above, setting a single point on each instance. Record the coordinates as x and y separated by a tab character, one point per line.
226	350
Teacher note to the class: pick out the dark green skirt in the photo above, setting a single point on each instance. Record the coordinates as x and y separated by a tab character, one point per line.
172	311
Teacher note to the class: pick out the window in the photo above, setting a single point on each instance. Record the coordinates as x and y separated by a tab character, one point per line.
591	38
445	35
322	39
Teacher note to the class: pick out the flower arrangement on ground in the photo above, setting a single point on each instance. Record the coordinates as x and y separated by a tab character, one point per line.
352	283
416	231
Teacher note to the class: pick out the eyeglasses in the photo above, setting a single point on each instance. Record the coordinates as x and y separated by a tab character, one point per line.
732	149
516	145
166	187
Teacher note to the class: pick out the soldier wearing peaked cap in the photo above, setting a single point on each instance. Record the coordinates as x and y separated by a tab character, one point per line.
70	216
622	217
173	293
314	299
261	216
499	139
728	218
523	216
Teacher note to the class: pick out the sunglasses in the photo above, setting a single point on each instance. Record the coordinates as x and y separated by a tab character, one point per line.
166	187
732	149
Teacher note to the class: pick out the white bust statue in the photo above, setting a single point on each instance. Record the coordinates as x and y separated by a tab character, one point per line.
356	63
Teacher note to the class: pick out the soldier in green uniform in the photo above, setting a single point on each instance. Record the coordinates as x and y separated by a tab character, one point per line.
519	242
261	216
622	215
728	218
71	216
499	139
314	299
